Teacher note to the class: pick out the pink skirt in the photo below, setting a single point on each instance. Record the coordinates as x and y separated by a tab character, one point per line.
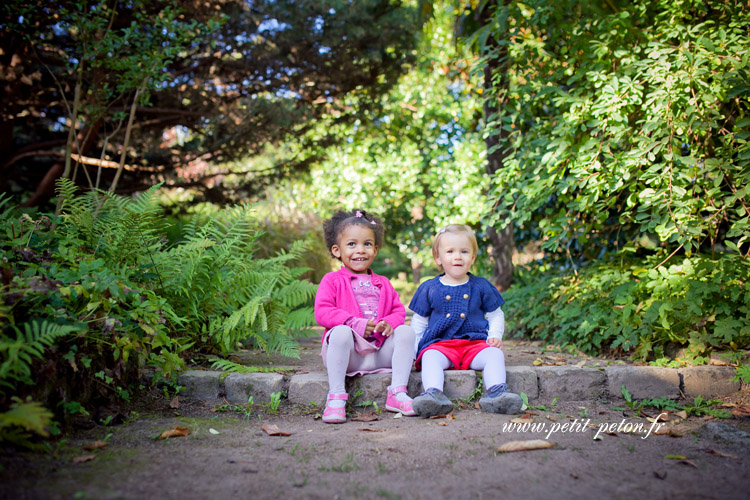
362	347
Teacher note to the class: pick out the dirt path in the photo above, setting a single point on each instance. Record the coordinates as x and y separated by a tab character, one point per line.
384	459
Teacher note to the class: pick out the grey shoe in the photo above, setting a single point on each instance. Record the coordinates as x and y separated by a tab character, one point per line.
499	399
432	402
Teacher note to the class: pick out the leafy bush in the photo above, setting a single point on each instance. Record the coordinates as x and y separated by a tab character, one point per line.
93	296
629	306
620	120
224	295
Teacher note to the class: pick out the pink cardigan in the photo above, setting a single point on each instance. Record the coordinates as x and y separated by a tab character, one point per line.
335	302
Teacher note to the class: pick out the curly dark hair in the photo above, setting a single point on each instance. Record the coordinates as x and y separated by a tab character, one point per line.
333	227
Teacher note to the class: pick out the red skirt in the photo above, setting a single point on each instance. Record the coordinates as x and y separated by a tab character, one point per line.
460	352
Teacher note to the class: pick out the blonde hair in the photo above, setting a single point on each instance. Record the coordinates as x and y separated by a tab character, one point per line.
456	229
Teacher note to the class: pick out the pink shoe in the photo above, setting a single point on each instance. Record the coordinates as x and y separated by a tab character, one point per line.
335	415
393	404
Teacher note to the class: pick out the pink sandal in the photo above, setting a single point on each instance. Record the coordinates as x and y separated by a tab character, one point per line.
335	415
393	404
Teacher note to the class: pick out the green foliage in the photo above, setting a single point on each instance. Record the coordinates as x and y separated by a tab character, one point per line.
97	294
698	407
418	162
17	354
23	418
624	118
632	306
273	404
283	222
226	80
226	296
246	411
743	373
229	366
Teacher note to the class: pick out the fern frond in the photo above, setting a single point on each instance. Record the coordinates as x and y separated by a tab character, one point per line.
18	354
296	293
30	416
284	345
232	367
299	318
4	200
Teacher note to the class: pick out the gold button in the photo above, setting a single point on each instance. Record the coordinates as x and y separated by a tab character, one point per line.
463	315
447	297
466	295
448	315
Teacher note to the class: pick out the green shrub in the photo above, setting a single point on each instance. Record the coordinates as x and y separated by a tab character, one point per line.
634	307
226	296
93	296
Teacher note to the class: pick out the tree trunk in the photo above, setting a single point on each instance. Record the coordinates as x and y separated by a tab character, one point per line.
501	237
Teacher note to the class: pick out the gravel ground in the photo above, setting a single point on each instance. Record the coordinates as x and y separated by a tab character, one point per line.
228	454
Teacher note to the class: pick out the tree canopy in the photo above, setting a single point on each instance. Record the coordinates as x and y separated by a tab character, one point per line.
623	119
209	83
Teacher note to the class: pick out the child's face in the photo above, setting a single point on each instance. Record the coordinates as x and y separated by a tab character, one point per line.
456	256
356	248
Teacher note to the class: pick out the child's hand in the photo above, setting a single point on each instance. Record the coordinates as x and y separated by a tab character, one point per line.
495	342
384	328
370	328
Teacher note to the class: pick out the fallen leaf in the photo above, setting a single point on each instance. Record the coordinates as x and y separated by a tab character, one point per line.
95	445
741	411
552	418
176	432
366	418
530	414
531	444
370	429
83	458
449	416
521	421
398	415
660	475
175	403
273	430
720	454
443	423
682	414
688	462
213	431
674	432
675	457
538	362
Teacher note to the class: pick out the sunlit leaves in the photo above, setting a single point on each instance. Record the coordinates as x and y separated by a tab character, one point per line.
626	120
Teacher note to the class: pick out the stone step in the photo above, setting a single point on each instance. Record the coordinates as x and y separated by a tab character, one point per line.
539	383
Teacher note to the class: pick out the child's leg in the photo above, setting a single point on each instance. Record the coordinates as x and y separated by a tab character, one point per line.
338	354
434	364
340	349
397	352
492	363
498	398
432	401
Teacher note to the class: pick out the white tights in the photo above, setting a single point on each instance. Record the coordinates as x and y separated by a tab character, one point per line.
397	352
491	360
